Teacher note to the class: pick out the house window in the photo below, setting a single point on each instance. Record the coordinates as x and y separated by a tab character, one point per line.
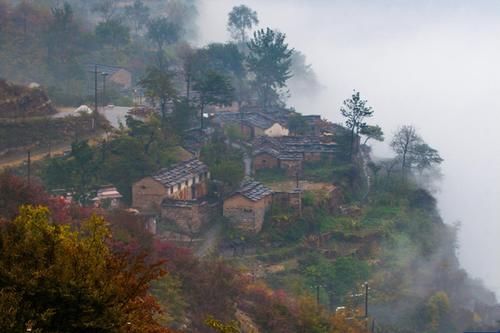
247	210
179	187
186	182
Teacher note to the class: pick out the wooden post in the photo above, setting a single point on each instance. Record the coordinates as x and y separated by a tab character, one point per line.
29	167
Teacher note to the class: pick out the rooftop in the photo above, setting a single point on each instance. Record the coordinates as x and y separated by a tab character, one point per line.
253	190
254	119
180	172
104	68
287	145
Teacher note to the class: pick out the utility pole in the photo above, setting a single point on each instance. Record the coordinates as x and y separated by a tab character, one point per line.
317	294
104	75
29	167
366	300
95	113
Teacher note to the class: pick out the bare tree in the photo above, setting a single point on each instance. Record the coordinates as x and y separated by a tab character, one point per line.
403	143
413	151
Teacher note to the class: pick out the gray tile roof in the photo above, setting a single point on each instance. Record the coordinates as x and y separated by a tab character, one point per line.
253	190
294	145
180	172
253	119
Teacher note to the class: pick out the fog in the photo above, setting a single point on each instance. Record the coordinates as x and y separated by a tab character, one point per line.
432	64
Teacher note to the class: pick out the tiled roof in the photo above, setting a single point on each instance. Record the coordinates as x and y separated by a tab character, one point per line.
104	68
267	150
253	190
294	145
253	119
109	192
180	172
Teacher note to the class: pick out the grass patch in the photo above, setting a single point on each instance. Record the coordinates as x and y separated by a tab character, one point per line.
268	176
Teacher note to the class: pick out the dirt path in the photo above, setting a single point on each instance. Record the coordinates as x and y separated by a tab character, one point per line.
210	241
37	154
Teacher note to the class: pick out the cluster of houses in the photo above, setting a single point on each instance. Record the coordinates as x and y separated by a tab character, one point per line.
178	196
290	152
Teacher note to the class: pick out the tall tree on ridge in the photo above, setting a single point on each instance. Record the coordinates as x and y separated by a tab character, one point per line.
159	87
270	60
138	13
355	111
240	19
162	32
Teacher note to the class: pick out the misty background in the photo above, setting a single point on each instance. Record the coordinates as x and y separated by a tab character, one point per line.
431	64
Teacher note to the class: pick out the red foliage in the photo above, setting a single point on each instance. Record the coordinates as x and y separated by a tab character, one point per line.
15	191
210	287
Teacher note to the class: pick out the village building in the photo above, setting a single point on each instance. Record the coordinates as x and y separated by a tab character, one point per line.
176	195
290	152
246	208
108	197
187	180
252	124
269	158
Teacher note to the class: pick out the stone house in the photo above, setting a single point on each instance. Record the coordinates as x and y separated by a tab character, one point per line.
246	208
252	124
186	180
107	197
188	215
290	152
269	158
177	196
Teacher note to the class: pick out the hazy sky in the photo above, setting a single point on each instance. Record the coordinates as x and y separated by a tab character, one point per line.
432	64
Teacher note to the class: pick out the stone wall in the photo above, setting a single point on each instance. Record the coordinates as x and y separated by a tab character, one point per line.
265	161
292	167
148	194
188	216
245	214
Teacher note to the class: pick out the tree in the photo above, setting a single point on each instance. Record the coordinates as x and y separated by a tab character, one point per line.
159	87
425	157
372	132
162	32
224	59
213	89
412	151
112	32
403	143
55	279
61	32
298	125
270	60
355	111
240	19
106	8
138	13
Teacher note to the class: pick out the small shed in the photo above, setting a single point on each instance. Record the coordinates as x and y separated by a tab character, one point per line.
246	208
107	197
